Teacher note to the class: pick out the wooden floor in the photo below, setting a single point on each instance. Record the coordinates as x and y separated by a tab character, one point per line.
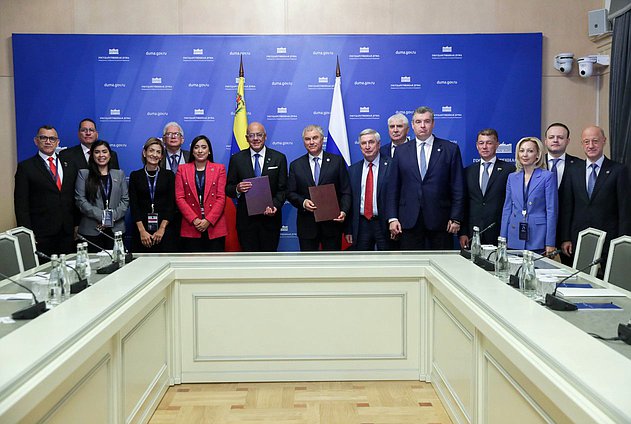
360	402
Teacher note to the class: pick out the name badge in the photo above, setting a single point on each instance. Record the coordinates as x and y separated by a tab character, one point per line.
152	222
523	231
107	218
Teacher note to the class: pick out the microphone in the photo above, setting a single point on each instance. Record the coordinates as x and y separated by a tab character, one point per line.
467	253
108	269
31	311
514	279
556	304
128	255
75	288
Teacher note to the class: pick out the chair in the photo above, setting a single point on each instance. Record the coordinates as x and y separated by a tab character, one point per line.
588	248
26	238
10	256
618	270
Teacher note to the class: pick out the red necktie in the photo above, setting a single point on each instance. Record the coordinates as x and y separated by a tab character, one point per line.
368	194
53	170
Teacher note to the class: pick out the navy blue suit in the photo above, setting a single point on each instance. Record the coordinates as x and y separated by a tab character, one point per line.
353	221
541	210
428	204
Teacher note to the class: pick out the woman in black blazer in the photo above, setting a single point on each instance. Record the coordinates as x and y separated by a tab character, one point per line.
152	202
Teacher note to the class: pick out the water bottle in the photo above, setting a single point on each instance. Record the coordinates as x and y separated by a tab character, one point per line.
527	277
476	246
80	262
118	253
64	277
54	284
86	259
502	269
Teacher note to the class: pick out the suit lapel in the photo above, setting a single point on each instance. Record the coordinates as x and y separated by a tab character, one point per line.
498	168
535	180
381	176
604	173
324	168
267	161
437	150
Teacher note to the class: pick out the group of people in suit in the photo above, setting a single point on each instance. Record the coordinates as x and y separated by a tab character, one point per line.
411	193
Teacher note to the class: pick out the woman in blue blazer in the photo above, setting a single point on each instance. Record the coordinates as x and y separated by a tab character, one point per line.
529	216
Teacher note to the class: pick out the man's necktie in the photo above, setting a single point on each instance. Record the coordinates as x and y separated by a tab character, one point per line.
592	180
53	170
554	169
485	177
257	165
175	162
316	170
423	161
368	194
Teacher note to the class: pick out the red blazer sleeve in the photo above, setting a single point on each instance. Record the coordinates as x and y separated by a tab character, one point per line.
214	192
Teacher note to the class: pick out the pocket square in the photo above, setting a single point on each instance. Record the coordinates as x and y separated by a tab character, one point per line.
272	167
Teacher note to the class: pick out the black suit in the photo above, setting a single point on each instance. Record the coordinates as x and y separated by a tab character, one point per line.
258	233
386	149
570	163
42	207
608	209
485	209
333	171
75	155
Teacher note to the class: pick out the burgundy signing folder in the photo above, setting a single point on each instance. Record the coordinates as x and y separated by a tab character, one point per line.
259	196
325	199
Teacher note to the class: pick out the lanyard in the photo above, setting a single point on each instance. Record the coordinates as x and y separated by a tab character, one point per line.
525	188
152	182
106	190
200	182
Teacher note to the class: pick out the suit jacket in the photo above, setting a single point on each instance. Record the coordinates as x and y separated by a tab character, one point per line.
355	175
275	167
570	163
91	214
385	149
485	209
541	210
39	204
75	155
140	198
332	171
163	161
440	196
214	199
608	209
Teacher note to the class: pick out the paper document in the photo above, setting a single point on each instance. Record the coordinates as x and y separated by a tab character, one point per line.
578	292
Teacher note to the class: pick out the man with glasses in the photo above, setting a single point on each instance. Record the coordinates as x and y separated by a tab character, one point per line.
596	195
173	137
80	154
258	233
44	195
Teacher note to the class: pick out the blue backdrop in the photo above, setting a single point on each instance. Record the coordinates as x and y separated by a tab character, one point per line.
131	85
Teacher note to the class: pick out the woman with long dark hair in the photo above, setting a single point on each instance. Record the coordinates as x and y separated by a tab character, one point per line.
200	195
101	196
152	202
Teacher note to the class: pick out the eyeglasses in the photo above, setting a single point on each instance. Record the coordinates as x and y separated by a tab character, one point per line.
173	134
87	130
253	136
44	138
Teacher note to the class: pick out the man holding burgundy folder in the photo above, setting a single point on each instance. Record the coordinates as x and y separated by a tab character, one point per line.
325	175
258	228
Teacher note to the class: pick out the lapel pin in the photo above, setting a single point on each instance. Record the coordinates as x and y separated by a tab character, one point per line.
607	172
328	159
438	150
499	169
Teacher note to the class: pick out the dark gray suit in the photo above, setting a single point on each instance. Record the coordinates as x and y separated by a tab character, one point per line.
91	213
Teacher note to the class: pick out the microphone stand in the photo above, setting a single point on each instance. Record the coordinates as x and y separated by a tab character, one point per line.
557	304
128	255
514	279
75	288
108	269
31	311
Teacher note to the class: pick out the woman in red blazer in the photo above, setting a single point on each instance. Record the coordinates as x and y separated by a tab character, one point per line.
200	195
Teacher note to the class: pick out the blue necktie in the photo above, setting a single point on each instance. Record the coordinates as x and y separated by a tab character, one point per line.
175	162
592	180
485	177
316	170
423	161
257	165
554	169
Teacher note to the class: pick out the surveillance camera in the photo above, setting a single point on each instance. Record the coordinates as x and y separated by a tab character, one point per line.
563	62
586	66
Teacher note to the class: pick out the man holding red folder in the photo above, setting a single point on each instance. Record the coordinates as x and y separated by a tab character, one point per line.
260	232
318	169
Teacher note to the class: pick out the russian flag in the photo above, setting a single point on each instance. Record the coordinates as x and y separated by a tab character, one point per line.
337	139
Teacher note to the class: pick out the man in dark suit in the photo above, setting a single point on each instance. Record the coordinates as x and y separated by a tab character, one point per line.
80	153
557	138
367	226
596	195
486	190
173	138
258	233
425	202
318	168
44	195
398	129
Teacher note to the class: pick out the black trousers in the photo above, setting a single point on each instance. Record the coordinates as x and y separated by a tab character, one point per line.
420	238
371	235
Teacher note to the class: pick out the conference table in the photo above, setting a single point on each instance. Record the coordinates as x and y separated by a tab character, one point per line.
109	353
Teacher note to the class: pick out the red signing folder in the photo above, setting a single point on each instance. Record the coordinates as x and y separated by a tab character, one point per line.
259	196
325	199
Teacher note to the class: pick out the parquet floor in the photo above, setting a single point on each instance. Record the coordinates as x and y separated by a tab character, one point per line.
359	402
